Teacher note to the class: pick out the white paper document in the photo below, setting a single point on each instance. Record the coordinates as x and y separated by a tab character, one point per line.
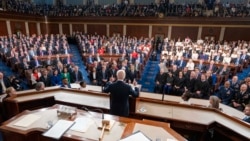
57	130
82	124
137	136
27	120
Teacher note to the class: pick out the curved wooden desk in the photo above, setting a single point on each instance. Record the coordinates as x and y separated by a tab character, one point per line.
122	127
194	117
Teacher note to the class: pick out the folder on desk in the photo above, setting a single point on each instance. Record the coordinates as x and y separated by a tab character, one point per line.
27	120
137	136
57	130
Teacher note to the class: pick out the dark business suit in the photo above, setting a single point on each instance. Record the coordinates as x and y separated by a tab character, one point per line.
76	76
181	64
7	84
246	119
46	80
119	97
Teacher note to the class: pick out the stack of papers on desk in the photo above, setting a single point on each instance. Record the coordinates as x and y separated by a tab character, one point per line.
27	120
82	124
57	130
137	136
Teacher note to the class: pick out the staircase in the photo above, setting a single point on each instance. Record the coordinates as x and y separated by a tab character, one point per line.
148	76
79	62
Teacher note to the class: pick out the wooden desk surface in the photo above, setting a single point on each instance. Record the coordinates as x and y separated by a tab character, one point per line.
122	127
80	97
150	105
99	100
193	114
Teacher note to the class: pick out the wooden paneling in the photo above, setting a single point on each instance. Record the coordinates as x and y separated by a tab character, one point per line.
233	33
96	28
65	28
163	30
183	32
17	26
211	31
3	29
115	29
53	28
78	27
137	31
43	28
32	28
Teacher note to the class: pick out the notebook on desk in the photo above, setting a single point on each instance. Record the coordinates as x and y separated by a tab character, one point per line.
57	130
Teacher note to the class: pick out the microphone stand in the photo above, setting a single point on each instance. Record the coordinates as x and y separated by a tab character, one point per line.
162	96
105	123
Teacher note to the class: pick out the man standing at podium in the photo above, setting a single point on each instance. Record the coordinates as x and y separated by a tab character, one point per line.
119	95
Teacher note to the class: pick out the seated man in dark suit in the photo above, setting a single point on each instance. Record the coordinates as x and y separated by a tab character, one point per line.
247	113
119	95
76	75
241	98
181	63
218	58
201	66
65	83
211	67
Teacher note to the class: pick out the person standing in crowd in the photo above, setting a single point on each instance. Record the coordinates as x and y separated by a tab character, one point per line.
241	98
56	79
10	92
226	93
159	81
214	102
83	86
65	83
76	75
169	84
202	89
179	84
45	78
247	113
4	83
65	74
119	95
40	86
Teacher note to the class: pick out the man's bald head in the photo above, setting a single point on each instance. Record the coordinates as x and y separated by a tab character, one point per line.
121	74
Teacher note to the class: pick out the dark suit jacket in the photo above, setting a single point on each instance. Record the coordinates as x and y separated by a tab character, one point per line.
73	76
220	59
7	83
64	86
236	61
246	119
202	68
184	63
47	81
119	97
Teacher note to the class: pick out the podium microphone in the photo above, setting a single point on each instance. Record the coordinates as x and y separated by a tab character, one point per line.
94	110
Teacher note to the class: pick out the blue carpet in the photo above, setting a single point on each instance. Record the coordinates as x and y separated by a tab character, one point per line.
79	62
245	73
148	75
6	70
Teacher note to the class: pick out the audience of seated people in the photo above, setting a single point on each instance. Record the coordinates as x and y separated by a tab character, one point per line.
203	74
180	59
134	55
43	58
190	9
